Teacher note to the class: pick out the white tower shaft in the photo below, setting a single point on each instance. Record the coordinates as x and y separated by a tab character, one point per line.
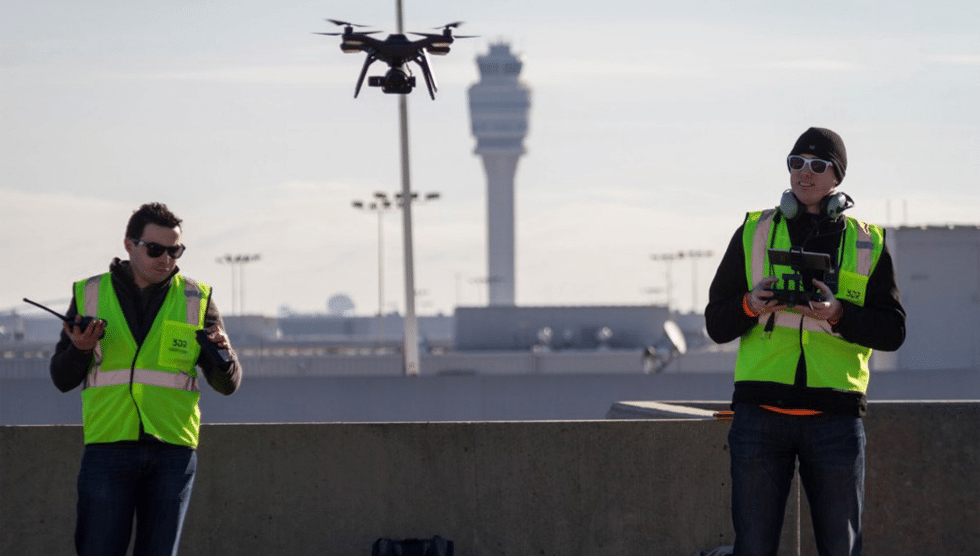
500	170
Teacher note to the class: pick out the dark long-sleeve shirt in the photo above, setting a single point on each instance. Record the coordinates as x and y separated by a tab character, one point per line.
69	365
878	324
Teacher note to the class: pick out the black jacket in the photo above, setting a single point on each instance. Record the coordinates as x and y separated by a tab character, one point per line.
69	365
879	324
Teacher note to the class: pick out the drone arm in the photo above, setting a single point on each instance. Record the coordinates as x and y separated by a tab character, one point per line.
430	81
367	63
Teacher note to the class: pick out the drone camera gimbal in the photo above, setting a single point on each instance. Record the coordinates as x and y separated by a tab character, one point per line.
396	81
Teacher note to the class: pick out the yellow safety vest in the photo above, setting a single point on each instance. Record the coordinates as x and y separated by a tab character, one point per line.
831	361
153	384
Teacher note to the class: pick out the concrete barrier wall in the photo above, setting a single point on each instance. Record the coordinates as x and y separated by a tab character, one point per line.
590	488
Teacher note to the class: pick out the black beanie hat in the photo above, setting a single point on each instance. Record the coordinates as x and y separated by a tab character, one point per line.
825	144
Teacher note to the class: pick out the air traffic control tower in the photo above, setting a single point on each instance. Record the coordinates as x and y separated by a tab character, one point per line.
499	106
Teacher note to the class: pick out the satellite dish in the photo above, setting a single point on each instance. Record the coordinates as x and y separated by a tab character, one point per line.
658	356
676	336
340	305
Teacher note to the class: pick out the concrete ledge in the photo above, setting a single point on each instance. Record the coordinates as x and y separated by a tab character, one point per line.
665	410
589	488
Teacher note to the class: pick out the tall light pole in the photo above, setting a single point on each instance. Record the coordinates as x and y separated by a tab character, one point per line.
383	204
238	261
669	258
694	256
411	348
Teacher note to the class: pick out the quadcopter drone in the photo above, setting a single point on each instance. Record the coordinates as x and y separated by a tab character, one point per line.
396	51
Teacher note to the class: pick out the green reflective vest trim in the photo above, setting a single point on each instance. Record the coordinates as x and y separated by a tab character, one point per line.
153	384
831	361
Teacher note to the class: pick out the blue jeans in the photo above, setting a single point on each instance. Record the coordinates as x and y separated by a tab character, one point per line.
116	482
765	447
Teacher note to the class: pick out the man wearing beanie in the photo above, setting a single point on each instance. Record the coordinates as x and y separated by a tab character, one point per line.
802	372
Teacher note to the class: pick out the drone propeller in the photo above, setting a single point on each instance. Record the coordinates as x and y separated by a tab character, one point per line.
345	23
348	29
359	33
446	32
441	36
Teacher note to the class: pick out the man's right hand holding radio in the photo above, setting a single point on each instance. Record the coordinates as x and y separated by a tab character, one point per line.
85	338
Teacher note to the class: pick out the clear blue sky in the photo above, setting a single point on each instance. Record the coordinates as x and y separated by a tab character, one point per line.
654	127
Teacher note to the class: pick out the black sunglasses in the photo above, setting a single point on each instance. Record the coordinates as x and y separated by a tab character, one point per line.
154	249
817	166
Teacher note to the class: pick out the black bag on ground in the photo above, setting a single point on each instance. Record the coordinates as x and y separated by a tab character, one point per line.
436	546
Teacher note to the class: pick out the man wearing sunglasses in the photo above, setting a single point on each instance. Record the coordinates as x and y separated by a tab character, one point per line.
138	367
802	370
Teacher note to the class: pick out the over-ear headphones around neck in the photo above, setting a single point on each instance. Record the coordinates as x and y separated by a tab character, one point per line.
832	206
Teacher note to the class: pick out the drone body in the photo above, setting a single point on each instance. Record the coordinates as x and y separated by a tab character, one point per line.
397	51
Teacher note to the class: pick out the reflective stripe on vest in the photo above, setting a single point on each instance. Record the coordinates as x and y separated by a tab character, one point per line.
177	381
831	361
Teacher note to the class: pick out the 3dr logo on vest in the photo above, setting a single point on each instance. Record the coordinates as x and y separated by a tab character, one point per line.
853	294
178	343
